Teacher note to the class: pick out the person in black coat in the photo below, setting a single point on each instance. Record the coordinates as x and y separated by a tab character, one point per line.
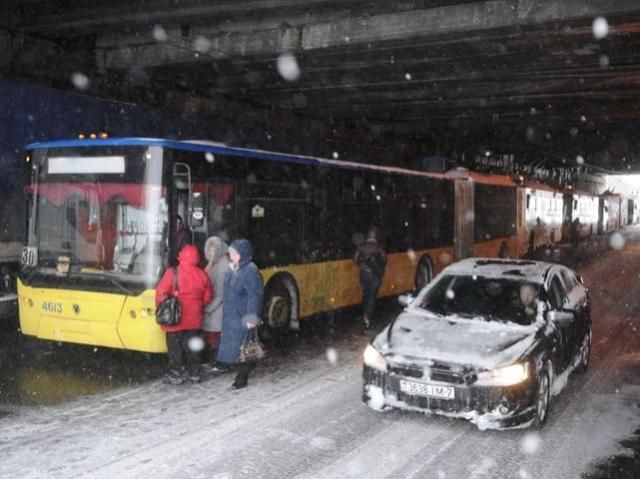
371	258
183	234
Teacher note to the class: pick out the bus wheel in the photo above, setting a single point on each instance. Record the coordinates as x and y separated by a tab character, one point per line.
277	312
424	273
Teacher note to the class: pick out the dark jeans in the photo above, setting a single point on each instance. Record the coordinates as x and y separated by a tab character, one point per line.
370	285
179	353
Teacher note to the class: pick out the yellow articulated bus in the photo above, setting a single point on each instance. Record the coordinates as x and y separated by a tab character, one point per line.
102	229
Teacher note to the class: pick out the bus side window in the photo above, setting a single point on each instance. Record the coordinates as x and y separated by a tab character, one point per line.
222	212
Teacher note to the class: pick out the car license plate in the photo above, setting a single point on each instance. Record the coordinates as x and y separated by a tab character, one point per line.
430	390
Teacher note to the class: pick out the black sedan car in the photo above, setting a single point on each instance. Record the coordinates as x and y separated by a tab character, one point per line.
488	340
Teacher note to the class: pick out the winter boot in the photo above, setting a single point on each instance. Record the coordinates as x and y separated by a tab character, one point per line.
173	378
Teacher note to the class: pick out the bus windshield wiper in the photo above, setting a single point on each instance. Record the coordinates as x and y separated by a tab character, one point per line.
110	279
122	287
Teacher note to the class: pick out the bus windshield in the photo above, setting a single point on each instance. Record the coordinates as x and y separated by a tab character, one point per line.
99	211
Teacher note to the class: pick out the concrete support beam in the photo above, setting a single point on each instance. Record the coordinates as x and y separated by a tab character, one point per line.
164	12
24	56
451	19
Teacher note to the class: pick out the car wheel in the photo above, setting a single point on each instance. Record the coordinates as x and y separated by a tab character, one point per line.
543	397
585	353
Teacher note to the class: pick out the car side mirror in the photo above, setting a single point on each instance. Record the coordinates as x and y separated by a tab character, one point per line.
405	299
563	316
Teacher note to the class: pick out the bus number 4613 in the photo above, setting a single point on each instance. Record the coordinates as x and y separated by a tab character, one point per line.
52	307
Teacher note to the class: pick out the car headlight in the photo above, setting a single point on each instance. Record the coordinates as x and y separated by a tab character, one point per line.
374	359
506	376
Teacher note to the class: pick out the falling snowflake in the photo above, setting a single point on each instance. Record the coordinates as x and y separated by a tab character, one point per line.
531	443
332	356
80	81
600	28
201	44
524	474
288	67
616	241
196	344
159	34
445	258
530	133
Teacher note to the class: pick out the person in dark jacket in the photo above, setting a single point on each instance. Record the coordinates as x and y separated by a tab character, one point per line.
576	227
217	268
194	292
242	306
371	258
183	234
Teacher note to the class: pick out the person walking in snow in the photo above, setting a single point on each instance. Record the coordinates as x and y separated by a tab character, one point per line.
242	307
194	292
371	258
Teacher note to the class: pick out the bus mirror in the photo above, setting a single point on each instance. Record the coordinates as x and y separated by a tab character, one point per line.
197	209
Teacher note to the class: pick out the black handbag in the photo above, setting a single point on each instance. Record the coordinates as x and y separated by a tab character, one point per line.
251	349
168	312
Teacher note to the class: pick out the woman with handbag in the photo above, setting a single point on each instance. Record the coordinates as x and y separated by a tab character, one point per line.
242	306
193	289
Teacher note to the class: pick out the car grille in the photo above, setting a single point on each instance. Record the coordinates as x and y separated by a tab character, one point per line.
440	372
460	404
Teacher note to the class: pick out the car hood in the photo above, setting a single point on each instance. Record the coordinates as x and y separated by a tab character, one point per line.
419	338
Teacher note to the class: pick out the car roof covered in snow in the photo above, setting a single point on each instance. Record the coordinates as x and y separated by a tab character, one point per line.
517	269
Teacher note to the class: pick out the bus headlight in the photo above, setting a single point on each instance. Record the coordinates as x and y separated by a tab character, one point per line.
374	359
506	376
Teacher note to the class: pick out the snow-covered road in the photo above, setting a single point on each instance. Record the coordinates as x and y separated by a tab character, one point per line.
302	417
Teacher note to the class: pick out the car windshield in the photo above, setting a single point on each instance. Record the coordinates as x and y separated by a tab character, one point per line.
490	299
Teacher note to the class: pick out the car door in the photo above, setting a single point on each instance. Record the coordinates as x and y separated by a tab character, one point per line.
563	320
577	300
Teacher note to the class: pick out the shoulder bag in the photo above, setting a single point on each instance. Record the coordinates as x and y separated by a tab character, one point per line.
168	312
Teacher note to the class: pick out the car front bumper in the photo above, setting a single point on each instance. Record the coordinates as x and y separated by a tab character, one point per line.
489	407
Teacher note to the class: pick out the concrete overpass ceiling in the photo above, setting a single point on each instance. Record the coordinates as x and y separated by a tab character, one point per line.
517	75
